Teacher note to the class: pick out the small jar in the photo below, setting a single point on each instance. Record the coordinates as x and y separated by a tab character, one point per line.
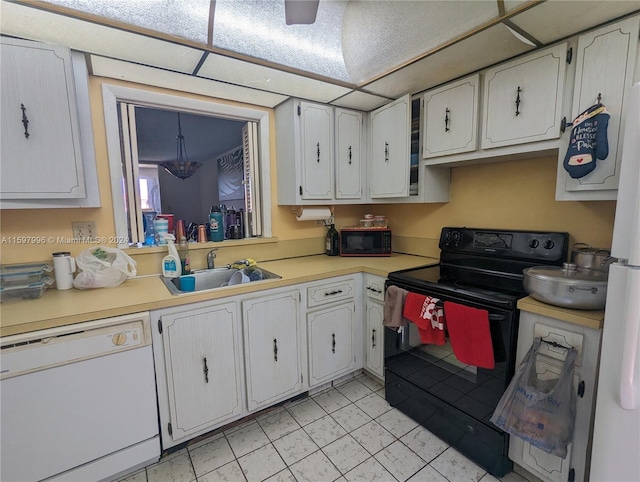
368	216
366	223
380	222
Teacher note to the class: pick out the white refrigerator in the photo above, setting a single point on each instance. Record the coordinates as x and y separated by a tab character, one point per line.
616	437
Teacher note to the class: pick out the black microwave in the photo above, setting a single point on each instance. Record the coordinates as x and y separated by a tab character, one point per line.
365	242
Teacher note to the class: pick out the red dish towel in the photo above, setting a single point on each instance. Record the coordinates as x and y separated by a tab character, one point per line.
470	334
420	310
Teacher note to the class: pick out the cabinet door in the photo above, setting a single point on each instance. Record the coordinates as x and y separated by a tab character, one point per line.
204	376
451	118
374	338
39	125
554	468
523	99
348	154
390	149
271	334
331	339
317	151
604	67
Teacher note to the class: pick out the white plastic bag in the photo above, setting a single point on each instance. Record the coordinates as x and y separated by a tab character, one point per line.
103	267
541	412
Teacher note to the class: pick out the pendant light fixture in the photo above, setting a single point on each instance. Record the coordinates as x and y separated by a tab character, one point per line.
182	167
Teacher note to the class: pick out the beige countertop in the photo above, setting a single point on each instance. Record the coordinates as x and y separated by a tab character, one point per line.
586	318
57	308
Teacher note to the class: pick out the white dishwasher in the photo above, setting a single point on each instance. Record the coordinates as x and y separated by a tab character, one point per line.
78	402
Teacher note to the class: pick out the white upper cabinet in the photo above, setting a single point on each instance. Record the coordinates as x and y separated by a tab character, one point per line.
450	121
523	99
390	151
319	153
605	64
41	156
349	156
316	124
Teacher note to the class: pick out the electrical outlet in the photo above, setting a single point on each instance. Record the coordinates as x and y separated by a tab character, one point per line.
84	230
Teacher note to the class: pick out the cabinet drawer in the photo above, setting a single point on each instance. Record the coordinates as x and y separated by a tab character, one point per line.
329	292
374	287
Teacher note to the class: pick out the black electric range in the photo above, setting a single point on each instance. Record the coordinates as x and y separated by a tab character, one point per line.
482	269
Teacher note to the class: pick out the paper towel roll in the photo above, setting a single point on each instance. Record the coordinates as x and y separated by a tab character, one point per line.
313	213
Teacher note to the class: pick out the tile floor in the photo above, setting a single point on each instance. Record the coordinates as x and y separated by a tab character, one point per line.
345	433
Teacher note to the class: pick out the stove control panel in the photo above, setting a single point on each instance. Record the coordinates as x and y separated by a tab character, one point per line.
548	247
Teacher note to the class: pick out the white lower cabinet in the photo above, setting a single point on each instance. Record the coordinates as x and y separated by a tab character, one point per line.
586	341
218	361
272	343
331	340
199	368
374	340
374	331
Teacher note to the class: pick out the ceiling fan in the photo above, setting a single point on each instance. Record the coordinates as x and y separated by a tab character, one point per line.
300	11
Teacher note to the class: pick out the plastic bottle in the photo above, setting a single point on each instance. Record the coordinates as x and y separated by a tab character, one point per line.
333	242
223	210
171	265
216	224
183	252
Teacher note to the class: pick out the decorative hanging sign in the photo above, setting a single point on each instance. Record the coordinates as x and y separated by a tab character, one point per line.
588	141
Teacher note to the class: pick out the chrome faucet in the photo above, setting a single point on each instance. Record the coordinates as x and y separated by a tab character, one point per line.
211	256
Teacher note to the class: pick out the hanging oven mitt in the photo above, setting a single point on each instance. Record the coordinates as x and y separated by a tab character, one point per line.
588	141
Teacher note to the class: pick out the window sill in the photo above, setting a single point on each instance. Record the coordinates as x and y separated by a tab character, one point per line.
204	246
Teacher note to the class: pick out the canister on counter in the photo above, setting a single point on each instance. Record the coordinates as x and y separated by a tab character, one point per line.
202	234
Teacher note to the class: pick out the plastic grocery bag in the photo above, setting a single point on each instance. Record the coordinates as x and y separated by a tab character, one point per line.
541	412
103	267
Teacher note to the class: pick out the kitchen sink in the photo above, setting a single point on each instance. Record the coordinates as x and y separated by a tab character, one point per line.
216	278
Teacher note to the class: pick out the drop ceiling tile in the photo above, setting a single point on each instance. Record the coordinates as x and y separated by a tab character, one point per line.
257	29
558	19
239	72
483	49
116	69
511	4
188	20
360	101
378	36
34	24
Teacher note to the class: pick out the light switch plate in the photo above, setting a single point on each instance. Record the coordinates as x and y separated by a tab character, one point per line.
84	230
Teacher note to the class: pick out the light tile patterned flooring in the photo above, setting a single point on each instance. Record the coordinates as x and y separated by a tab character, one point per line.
345	433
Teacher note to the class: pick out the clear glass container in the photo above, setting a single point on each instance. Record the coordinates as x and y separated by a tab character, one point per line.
366	223
380	222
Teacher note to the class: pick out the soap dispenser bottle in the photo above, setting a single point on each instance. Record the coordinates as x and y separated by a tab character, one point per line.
171	266
183	252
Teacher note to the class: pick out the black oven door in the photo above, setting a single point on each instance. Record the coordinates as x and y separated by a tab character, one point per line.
435	369
452	399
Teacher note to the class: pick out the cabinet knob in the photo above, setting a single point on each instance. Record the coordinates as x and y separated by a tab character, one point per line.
275	349
333	342
318	151
373	338
386	152
349	155
446	119
518	101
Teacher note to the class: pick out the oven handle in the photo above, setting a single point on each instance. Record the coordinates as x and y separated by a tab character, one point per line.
494	317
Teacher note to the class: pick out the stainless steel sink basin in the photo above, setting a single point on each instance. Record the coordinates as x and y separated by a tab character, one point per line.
213	279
